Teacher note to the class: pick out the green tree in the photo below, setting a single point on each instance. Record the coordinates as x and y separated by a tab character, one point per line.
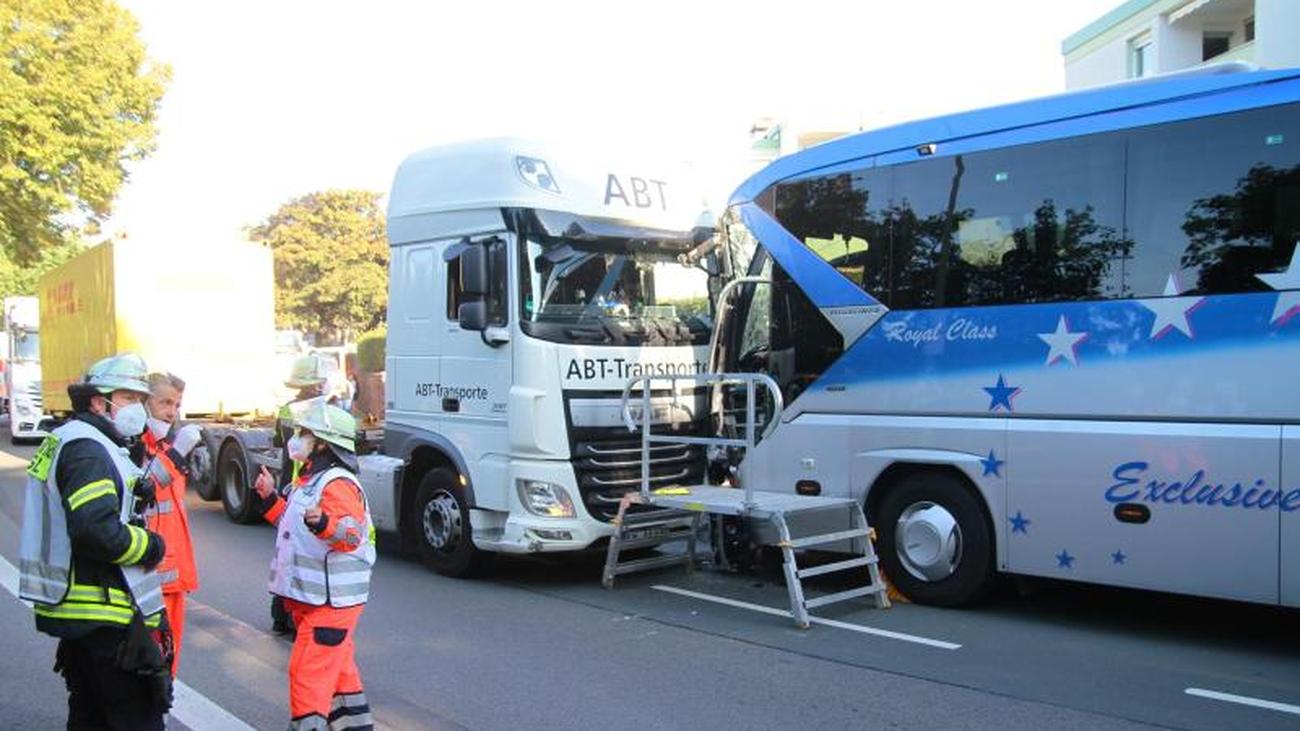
21	279
331	263
78	100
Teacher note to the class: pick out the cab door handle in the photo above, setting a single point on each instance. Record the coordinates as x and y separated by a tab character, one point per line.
451	404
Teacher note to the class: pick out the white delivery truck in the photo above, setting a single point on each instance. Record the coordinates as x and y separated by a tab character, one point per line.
22	373
528	284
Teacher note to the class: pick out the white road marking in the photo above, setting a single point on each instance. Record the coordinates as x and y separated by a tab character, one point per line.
189	706
941	644
1243	700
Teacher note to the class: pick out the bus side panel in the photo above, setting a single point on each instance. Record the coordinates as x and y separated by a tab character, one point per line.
1290	552
1190	508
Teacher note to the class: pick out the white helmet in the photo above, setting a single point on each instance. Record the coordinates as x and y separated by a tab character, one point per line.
308	370
121	372
329	423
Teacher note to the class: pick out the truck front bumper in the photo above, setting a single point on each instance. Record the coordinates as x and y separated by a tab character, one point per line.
519	531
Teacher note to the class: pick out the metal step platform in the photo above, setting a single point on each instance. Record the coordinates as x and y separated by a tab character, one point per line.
679	508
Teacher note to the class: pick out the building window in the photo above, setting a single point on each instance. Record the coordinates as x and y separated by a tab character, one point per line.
1248	28
1140	57
1215	43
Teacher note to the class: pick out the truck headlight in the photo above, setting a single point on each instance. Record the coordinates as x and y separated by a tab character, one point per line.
544	498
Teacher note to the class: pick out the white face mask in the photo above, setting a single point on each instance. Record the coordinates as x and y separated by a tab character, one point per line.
130	420
300	447
159	428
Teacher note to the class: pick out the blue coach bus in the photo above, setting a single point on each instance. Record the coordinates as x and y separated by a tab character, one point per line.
1056	338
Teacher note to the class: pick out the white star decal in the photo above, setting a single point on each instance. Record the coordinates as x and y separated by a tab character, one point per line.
1171	312
1063	343
1288	303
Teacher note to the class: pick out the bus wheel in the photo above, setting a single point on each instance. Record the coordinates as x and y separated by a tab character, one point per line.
935	540
442	529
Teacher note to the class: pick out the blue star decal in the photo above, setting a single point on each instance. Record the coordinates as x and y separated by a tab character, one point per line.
1118	557
1001	394
992	465
1064	560
1019	523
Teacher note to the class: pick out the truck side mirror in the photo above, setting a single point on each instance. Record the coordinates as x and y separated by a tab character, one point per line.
474	280
473	315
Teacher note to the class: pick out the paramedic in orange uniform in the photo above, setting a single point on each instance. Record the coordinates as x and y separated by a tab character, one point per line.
162	451
324	552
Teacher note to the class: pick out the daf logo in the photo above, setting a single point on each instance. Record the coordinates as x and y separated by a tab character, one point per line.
536	173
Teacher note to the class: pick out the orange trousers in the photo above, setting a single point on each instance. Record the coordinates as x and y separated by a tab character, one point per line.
174	602
324	684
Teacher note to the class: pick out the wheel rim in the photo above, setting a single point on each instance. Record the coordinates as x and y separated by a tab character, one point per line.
200	465
442	526
928	541
231	480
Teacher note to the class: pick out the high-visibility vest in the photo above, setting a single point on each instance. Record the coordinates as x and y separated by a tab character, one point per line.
168	518
45	571
305	568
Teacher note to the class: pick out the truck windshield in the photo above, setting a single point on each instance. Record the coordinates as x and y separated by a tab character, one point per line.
27	346
611	290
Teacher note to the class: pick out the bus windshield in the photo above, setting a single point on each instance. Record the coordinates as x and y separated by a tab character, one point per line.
611	291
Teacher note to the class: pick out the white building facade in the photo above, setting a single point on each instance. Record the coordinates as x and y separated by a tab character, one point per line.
1145	37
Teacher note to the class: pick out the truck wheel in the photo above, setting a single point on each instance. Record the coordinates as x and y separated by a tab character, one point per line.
232	477
935	540
202	478
441	526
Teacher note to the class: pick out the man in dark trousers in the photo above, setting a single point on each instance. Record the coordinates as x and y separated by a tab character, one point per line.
87	571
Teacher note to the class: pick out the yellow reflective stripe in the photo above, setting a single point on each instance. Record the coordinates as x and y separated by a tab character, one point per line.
153	620
86	611
86	493
134	552
82	592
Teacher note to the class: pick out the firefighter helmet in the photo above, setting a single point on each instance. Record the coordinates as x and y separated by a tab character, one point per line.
329	423
121	372
308	370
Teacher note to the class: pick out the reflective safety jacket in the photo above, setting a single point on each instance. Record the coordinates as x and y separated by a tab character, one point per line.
79	560
169	518
330	562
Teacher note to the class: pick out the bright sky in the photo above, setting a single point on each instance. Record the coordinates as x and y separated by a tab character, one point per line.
270	100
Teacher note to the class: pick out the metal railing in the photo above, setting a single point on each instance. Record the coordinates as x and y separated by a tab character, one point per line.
751	438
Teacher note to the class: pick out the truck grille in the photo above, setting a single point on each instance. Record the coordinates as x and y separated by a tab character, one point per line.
34	392
606	470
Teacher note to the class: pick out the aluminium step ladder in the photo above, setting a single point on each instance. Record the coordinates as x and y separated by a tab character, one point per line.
681	507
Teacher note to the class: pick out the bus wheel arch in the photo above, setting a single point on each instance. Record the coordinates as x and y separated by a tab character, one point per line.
935	533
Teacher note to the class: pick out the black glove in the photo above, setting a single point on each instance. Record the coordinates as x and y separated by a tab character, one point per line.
146	492
154	553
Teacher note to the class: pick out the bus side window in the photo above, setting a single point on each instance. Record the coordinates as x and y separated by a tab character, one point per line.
1218	196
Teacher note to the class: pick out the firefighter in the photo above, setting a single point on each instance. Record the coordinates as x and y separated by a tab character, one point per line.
86	563
308	375
162	452
324	552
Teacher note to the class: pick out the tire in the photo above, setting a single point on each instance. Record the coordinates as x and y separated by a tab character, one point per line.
440	524
202	473
233	482
948	567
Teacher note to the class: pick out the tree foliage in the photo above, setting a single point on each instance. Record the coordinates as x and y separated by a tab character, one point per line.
331	263
21	279
78	100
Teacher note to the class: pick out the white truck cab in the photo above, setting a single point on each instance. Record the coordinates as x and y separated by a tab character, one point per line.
528	284
22	373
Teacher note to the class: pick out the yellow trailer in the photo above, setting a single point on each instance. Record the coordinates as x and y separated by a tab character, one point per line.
205	313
